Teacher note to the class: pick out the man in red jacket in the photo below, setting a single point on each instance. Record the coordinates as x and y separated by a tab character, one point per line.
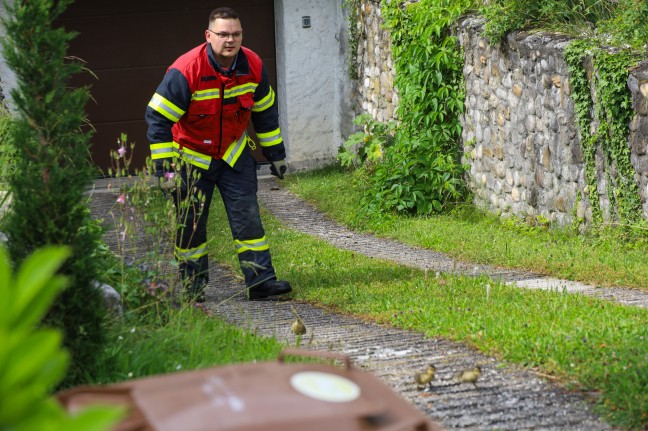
197	122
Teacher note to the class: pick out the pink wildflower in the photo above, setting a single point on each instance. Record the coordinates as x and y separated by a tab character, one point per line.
121	151
121	199
169	175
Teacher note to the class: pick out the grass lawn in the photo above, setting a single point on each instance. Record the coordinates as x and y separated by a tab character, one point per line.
186	340
602	258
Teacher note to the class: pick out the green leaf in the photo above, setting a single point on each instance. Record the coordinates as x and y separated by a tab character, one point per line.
30	356
95	419
35	285
18	404
6	299
34	310
43	415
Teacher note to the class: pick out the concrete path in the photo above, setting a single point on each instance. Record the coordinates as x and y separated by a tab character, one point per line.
506	398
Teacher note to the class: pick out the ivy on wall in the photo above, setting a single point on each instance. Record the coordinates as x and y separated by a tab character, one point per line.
603	127
352	8
421	172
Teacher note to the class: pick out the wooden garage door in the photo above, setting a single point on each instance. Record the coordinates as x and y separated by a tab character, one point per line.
129	45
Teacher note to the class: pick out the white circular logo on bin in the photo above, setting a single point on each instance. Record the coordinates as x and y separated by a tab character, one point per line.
325	386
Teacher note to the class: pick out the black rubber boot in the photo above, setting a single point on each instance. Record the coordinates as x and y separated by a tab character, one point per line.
270	287
194	284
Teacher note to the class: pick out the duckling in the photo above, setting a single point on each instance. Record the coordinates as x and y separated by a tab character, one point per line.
426	377
297	327
470	376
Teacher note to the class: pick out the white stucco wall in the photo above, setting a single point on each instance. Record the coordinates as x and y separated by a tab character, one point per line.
313	87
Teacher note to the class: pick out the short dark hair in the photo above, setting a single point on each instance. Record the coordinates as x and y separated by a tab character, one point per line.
223	13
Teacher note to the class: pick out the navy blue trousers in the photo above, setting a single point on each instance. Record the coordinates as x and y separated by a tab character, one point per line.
238	189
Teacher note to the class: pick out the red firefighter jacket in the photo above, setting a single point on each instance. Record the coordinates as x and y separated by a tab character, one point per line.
201	111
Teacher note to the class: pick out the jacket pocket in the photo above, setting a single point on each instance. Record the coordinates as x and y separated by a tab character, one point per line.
246	102
202	114
201	127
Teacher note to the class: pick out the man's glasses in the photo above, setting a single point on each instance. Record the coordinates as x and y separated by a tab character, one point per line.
224	36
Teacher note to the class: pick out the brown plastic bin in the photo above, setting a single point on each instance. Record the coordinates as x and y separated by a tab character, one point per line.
269	396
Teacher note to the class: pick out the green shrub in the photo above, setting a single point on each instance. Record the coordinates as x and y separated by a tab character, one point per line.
572	16
421	172
367	145
7	150
31	359
52	170
628	26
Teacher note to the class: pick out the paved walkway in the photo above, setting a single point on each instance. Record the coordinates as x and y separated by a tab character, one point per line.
506	397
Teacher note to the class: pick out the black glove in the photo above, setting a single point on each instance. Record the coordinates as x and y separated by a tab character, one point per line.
165	174
278	168
163	166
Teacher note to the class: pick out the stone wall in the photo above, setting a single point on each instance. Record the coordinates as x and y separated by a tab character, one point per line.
376	94
638	85
520	134
519	130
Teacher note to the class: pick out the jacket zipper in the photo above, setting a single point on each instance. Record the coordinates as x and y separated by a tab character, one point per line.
220	127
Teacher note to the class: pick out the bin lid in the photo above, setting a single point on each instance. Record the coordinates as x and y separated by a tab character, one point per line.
267	396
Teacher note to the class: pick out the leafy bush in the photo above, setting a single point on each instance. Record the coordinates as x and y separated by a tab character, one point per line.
422	171
628	26
504	16
368	145
52	170
31	360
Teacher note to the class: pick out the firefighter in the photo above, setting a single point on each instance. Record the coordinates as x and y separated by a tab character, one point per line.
197	121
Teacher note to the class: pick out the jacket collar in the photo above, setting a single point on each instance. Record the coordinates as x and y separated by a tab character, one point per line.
240	65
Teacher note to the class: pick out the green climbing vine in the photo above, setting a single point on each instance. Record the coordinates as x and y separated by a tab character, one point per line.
353	12
603	126
421	172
